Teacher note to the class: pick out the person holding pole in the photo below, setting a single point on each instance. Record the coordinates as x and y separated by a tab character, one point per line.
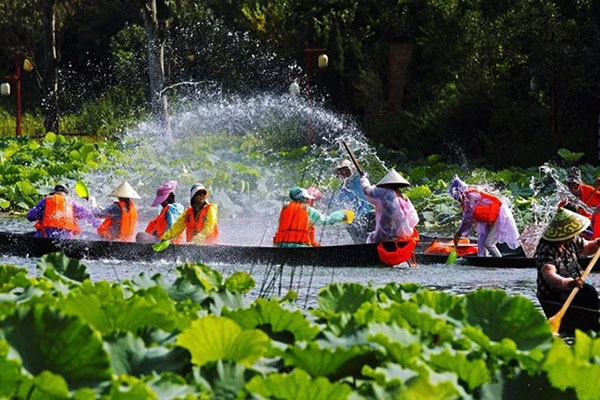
558	269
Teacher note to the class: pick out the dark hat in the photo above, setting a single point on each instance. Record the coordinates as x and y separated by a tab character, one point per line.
60	189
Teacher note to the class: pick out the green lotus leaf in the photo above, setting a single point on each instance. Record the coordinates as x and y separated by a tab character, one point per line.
239	282
53	263
127	387
525	385
45	386
45	339
418	193
389	373
371	312
399	343
398	291
11	377
217	338
129	355
502	316
568	155
432	385
423	320
576	368
280	324
440	302
322	361
297	385
7	273
223	381
200	275
105	308
342	298
475	373
224	299
169	386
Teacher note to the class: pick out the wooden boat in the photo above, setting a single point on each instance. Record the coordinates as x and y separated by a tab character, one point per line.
576	317
364	255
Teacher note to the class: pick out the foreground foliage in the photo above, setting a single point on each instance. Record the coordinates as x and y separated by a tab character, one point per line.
199	336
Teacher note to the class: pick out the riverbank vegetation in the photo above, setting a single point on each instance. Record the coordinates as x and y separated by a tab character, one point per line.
509	82
201	335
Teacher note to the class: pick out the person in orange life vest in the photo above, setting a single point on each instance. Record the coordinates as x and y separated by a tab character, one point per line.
395	216
298	217
199	221
585	194
170	211
493	220
56	215
121	216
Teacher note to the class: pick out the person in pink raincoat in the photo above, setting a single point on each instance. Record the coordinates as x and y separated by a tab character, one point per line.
395	216
493	220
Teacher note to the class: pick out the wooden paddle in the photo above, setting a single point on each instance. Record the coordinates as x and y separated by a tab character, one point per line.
352	157
556	319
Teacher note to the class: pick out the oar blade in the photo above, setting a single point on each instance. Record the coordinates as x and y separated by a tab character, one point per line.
161	246
555	322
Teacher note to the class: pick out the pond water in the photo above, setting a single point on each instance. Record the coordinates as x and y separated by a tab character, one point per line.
455	279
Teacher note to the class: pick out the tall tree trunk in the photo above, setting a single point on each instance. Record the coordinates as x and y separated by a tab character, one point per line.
156	65
50	87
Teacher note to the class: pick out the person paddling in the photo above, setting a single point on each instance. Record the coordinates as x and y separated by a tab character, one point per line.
199	221
121	216
493	220
297	220
558	269
170	212
587	196
350	196
56	215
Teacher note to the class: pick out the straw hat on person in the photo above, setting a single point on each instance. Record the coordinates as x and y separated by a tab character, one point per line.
124	191
392	178
565	225
196	187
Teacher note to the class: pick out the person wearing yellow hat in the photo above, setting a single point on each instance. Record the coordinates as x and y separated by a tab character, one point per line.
120	218
558	267
199	221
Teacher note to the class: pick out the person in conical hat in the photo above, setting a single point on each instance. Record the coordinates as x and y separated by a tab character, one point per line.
120	218
491	217
351	197
557	261
298	219
169	213
395	216
582	199
199	221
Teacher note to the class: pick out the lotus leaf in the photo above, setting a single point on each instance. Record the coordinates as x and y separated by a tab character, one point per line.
502	316
45	339
129	355
297	385
71	268
239	282
105	308
45	386
217	338
200	275
399	343
342	298
389	373
323	361
475	373
169	386
7	273
127	387
224	381
273	319
440	302
424	321
11	377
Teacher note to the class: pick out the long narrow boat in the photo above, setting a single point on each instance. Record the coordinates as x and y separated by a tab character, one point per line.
364	255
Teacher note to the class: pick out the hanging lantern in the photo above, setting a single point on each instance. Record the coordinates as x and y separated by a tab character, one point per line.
323	61
5	89
27	65
294	89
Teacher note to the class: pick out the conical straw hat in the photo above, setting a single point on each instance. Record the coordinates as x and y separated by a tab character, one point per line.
393	178
124	190
565	225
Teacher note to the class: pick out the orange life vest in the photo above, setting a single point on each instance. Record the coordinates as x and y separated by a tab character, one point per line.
485	212
294	225
127	226
445	247
58	214
399	251
158	226
193	227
